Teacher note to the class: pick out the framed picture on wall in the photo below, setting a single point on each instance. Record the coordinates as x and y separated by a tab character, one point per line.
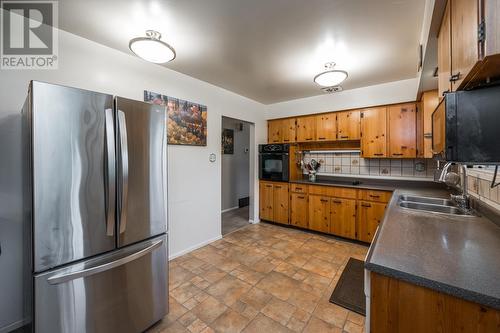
186	122
227	141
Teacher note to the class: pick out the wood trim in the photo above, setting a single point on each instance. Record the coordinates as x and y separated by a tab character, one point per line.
399	306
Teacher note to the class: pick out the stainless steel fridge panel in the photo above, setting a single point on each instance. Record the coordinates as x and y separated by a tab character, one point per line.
141	141
122	291
72	181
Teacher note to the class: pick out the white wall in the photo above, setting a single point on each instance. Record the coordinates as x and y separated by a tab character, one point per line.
235	167
386	93
194	183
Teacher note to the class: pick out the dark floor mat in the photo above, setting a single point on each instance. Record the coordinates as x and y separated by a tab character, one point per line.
349	292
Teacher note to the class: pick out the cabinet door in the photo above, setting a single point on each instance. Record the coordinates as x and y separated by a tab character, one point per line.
370	215
288	129
280	203
298	210
464	41
373	132
348	125
343	217
274	134
266	201
402	131
326	127
444	53
430	101
319	213
306	128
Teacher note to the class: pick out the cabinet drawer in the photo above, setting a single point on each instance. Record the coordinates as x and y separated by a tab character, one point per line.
373	195
298	188
339	192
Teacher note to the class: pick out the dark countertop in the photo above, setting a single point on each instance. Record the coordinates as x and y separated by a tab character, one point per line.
456	255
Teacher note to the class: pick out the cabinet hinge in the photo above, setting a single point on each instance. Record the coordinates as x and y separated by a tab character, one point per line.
481	32
362	115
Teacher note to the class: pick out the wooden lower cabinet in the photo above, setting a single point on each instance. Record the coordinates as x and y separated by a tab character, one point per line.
369	216
299	210
343	217
399	306
280	203
266	201
273	202
319	213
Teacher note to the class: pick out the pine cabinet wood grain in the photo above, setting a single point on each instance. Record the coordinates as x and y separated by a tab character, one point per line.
374	132
306	129
430	101
348	125
319	213
402	131
369	216
399	306
266	198
299	210
326	127
343	217
288	128
444	53
280	203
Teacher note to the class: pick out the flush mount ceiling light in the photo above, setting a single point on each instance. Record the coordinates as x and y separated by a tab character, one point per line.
151	48
330	77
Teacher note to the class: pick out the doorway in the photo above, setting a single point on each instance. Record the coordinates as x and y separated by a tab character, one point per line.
236	157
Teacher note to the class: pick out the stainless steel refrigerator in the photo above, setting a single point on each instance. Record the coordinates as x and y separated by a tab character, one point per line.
95	202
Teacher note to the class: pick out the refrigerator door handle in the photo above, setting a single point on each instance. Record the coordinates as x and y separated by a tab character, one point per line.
65	277
122	127
110	173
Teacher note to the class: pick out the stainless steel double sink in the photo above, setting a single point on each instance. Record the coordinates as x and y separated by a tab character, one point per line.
433	205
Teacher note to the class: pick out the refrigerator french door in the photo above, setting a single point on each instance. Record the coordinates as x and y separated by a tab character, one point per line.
98	216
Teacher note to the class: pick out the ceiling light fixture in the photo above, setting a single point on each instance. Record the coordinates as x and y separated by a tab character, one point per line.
330	77
151	48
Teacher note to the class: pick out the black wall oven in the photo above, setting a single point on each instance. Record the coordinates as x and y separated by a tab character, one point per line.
273	162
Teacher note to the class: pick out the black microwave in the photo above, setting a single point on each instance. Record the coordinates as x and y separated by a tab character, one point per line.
466	127
273	162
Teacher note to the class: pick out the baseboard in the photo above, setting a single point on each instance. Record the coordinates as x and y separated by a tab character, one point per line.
229	209
194	247
254	221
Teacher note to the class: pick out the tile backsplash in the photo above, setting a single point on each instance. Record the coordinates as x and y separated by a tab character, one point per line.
479	186
340	163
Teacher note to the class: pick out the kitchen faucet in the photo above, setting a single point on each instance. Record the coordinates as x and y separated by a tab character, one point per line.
462	200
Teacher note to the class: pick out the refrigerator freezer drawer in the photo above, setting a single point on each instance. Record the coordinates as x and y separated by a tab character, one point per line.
123	291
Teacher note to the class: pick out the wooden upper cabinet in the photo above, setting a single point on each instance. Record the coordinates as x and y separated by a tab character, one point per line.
319	213
266	199
343	217
306	128
374	132
402	131
430	101
444	53
274	131
288	130
370	215
348	125
299	210
326	127
464	39
280	203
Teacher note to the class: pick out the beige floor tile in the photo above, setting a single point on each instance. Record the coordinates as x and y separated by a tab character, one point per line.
178	275
278	285
296	325
321	267
352	328
209	310
184	292
316	325
279	310
175	327
247	275
229	289
197	326
230	322
356	318
256	298
331	313
263	324
303	299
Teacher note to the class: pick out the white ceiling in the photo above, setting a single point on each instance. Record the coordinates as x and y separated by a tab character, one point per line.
267	50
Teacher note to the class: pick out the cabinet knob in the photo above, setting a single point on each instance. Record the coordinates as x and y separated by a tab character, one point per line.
455	77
